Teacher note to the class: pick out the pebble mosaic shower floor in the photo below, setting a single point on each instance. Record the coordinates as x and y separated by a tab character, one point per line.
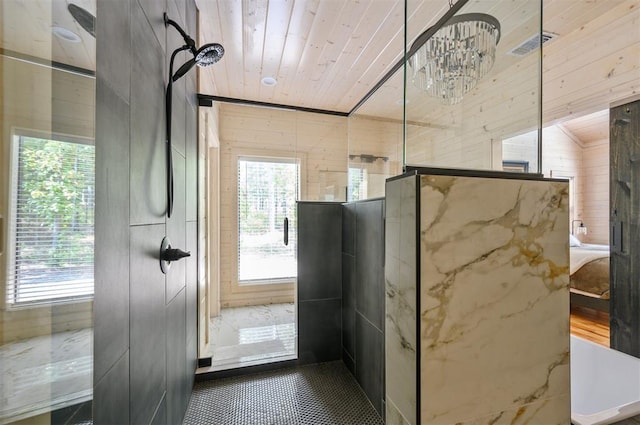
319	394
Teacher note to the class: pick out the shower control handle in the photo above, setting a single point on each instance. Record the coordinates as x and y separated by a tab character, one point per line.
168	254
174	254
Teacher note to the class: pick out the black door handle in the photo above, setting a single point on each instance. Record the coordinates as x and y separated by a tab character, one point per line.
286	231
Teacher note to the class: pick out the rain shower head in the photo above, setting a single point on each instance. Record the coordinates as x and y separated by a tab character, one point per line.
205	56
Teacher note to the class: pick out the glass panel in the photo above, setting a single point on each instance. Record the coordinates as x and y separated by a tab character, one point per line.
267	193
473	84
375	140
47	169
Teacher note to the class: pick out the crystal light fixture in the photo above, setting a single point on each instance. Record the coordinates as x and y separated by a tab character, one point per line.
451	62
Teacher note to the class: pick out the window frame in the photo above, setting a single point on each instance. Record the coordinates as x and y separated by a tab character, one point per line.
12	210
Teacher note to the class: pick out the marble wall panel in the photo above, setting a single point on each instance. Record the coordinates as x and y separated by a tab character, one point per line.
400	302
494	299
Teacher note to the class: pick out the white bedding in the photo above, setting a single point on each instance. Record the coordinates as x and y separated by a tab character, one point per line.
581	255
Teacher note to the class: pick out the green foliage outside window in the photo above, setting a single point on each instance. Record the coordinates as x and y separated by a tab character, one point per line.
55	205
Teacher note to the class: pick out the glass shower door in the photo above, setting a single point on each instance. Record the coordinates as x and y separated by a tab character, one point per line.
47	192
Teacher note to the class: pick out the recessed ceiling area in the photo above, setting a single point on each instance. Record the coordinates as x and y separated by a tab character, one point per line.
589	129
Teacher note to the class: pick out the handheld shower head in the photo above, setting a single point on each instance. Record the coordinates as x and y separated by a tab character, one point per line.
209	54
205	56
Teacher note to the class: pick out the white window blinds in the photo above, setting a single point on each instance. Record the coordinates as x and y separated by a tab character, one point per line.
267	193
52	221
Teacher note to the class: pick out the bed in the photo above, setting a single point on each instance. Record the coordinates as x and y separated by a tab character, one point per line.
589	275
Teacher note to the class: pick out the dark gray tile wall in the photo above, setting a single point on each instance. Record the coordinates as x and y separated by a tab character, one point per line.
147	148
319	331
177	391
370	360
145	341
363	296
319	248
370	261
319	281
111	337
111	394
176	229
147	324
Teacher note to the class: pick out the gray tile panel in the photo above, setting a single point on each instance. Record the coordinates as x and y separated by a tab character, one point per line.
113	62
177	373
319	331
160	415
111	395
153	12
349	229
176	229
192	292
191	168
370	360
148	323
148	152
319	251
370	261
349	304
111	298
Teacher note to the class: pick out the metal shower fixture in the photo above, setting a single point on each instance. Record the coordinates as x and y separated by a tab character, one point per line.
204	56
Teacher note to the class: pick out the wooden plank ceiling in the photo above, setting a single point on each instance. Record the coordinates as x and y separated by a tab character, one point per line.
327	54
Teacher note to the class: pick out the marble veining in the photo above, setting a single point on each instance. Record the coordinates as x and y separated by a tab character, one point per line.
246	336
400	302
45	373
494	300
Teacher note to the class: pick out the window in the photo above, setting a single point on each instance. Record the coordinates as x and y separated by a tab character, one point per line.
357	184
267	193
52	221
515	166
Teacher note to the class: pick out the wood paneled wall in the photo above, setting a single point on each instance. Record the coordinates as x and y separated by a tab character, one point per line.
468	135
588	165
319	141
562	158
595	172
593	66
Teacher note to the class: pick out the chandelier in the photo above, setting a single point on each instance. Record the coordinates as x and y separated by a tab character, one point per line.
451	62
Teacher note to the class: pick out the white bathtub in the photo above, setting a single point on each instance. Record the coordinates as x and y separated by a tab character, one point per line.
605	384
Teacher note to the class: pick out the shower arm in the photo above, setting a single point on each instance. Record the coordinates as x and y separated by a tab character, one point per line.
190	43
168	98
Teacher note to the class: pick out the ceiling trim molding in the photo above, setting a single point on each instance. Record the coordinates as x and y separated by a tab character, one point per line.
207	100
47	63
597	144
572	136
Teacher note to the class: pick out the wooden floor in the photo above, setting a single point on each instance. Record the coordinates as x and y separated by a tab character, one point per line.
590	324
